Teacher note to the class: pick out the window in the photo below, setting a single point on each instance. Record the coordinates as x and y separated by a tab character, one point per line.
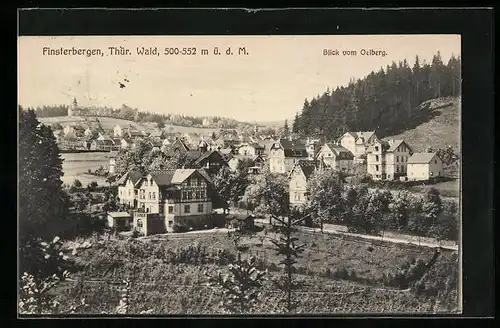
170	223
198	182
185	195
154	195
435	161
129	192
187	209
397	168
200	208
376	167
146	183
170	210
376	148
376	158
149	195
121	192
397	158
139	223
188	182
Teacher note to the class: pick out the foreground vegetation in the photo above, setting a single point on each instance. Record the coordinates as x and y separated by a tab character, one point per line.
168	275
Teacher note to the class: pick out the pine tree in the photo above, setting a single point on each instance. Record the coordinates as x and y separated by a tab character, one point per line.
286	130
295	125
42	202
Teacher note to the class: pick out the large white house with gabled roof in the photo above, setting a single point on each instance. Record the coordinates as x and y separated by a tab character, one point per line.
176	195
387	160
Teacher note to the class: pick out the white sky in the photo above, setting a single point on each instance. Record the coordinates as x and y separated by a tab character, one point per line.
269	84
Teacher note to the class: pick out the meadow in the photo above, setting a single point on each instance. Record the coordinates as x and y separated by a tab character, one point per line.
76	166
168	274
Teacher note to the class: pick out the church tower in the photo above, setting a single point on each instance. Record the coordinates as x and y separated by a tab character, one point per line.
72	107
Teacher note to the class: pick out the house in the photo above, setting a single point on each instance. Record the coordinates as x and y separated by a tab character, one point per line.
157	134
424	166
118	131
192	139
178	196
155	144
250	149
285	153
112	165
357	143
121	221
227	141
127	188
103	136
312	147
58	135
73	131
134	134
210	160
88	132
148	223
388	159
104	145
125	143
298	177
240	221
178	146
267	144
335	157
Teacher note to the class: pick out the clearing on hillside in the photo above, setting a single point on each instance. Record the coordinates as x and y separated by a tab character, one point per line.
440	131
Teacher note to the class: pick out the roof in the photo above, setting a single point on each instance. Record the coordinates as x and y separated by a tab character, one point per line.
156	133
361	134
421	158
394	144
135	133
106	142
340	151
134	177
119	214
290	147
172	177
307	166
206	155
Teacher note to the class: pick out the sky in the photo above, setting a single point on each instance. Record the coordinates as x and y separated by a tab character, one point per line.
270	83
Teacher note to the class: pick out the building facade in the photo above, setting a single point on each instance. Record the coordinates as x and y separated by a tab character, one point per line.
336	157
284	154
424	166
298	179
357	143
387	160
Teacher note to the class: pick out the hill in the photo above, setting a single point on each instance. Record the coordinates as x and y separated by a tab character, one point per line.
442	129
108	123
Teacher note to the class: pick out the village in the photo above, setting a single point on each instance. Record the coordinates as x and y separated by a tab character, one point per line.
178	195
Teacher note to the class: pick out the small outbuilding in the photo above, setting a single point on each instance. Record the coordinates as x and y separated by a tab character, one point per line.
240	221
120	221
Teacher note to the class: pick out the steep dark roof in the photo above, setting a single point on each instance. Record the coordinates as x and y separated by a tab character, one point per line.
396	143
293	148
167	178
206	155
133	175
308	167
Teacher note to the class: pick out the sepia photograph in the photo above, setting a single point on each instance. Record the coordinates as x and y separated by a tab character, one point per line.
239	175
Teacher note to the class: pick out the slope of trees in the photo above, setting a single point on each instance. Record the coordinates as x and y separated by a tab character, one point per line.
385	101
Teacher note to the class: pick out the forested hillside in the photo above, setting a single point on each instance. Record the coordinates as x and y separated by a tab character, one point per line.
387	101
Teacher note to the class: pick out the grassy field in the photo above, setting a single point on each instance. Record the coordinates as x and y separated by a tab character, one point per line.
76	166
440	131
446	189
337	276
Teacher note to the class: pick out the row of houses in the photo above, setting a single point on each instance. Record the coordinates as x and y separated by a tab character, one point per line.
384	160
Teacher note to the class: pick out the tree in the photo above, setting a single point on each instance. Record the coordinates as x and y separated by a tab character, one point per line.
160	125
214	136
286	129
288	246
77	183
42	202
241	287
269	194
400	209
229	185
432	208
295	125
325	196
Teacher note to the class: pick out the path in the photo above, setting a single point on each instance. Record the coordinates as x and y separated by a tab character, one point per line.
390	237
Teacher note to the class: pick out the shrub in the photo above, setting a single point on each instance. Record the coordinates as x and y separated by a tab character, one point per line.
179	228
77	183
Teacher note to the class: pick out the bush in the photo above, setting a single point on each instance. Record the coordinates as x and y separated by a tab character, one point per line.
77	183
179	228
